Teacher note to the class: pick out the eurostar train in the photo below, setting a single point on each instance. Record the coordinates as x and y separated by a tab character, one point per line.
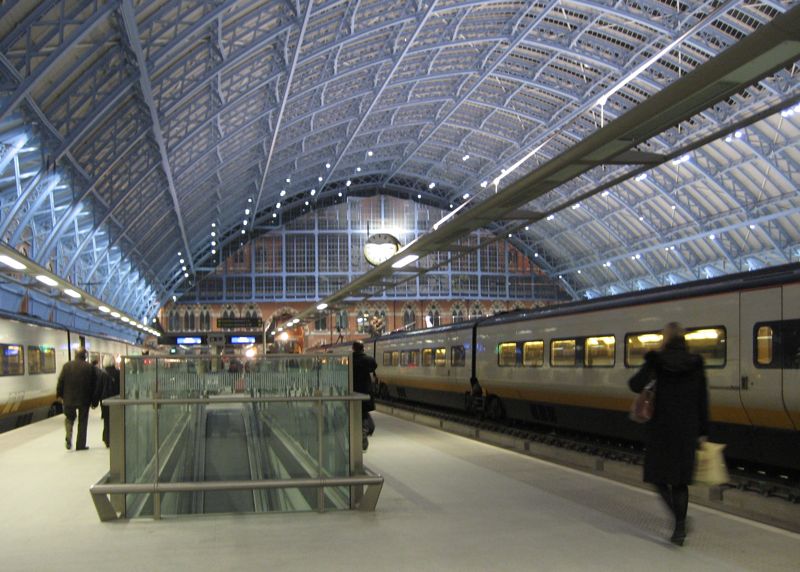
568	366
31	357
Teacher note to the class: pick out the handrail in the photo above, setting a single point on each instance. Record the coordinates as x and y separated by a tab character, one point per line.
217	399
102	488
241	485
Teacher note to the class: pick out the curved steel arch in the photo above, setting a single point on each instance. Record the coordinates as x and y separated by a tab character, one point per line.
432	83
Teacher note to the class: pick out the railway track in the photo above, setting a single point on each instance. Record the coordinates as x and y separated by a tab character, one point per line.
764	494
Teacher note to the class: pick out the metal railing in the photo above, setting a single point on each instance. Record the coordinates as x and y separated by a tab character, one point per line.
302	425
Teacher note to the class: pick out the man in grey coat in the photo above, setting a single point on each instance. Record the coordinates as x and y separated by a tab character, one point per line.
78	389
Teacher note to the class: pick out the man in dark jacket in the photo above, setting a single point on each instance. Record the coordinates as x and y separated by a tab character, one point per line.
110	389
680	418
363	368
77	388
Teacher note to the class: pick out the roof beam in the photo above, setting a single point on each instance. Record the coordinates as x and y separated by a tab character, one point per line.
132	36
26	85
379	92
282	108
511	44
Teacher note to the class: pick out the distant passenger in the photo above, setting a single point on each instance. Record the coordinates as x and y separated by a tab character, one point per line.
77	388
363	368
110	389
680	420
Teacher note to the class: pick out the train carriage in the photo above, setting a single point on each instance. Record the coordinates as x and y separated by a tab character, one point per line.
430	365
568	366
31	357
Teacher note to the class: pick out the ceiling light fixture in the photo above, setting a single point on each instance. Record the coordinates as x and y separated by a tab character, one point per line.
46	280
12	262
405	261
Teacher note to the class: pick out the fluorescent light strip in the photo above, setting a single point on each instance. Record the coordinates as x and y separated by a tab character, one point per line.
12	262
46	280
405	261
602	100
72	293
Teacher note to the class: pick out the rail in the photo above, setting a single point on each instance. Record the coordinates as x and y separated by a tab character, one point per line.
278	428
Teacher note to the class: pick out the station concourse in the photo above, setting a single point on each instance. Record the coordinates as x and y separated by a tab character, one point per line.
505	199
449	503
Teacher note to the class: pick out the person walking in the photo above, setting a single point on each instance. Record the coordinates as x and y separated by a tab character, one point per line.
679	421
363	368
77	388
110	389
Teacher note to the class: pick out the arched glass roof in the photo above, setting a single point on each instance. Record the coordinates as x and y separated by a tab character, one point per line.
132	130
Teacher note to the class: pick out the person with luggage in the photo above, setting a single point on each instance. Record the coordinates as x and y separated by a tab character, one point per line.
364	367
679	421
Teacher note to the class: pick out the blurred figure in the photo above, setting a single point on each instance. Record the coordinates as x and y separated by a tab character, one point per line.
680	419
363	368
110	389
77	388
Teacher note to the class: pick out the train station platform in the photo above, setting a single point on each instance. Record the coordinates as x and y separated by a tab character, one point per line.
448	503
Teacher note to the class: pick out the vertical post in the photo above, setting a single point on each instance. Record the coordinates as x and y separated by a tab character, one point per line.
156	494
320	456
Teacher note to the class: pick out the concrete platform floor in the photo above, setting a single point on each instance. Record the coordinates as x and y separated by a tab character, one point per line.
449	503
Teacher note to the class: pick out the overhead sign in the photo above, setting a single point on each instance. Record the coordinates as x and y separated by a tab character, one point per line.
243	339
189	341
235	323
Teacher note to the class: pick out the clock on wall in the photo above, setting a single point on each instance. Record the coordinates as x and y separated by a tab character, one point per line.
380	247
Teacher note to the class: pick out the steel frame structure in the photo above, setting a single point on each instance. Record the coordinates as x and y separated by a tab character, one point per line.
128	128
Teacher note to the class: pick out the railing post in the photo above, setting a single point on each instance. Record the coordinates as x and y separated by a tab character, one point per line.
320	456
156	494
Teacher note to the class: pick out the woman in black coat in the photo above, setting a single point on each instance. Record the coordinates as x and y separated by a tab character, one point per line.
680	419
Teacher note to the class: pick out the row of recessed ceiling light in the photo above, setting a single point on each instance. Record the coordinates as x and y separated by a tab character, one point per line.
16	264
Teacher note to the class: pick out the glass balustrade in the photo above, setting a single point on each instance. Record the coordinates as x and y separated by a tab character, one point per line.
280	433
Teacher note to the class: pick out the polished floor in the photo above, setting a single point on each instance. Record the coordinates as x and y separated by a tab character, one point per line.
449	503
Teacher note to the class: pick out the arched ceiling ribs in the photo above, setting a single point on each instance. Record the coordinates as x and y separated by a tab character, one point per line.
510	44
686	239
40	71
421	21
590	100
134	44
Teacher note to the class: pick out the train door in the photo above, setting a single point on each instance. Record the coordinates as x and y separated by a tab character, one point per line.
791	346
760	379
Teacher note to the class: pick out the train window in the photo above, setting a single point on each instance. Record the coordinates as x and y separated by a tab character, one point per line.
404	359
710	343
563	353
387	359
440	357
395	359
533	354
458	356
507	354
413	358
637	345
427	357
790	334
763	353
41	359
600	351
12	359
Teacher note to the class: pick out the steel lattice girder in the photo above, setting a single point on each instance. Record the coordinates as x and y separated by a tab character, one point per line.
195	109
